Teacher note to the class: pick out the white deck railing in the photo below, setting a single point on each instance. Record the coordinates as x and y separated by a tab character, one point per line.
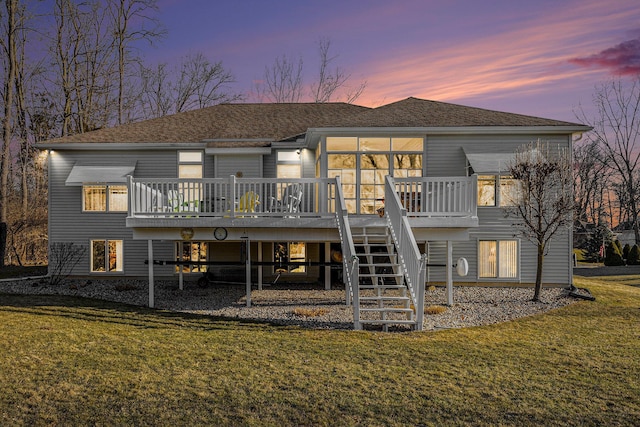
433	197
231	197
413	263
302	197
350	261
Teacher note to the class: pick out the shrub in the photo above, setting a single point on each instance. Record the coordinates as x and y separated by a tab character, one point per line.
63	259
613	255
435	309
591	247
309	312
625	251
619	245
634	256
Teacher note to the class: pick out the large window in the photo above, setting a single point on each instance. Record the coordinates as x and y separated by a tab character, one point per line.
106	256
494	190
285	252
498	259
104	198
191	251
362	164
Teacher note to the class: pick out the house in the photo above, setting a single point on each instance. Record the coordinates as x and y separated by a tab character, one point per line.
393	195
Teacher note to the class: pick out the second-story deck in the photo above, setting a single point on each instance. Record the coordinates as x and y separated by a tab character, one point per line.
442	202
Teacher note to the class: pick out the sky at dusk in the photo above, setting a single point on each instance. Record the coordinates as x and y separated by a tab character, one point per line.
540	57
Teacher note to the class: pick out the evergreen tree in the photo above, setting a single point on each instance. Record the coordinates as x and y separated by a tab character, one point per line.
613	255
634	256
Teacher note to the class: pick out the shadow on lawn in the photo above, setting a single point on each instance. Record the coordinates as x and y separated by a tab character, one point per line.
86	309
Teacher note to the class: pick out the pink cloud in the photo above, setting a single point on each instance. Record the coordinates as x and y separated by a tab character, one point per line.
624	58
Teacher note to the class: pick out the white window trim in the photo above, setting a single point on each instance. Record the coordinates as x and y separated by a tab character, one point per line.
497	196
106	243
290	273
106	201
518	261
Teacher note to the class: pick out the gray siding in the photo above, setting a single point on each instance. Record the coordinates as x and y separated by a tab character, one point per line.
445	157
230	164
67	222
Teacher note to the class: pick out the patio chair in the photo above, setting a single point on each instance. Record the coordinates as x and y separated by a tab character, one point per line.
248	202
290	201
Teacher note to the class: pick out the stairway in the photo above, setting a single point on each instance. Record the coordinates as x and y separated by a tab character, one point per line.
383	295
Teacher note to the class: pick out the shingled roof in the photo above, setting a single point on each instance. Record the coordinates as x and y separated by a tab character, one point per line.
278	122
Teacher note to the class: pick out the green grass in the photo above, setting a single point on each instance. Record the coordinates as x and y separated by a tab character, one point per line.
69	361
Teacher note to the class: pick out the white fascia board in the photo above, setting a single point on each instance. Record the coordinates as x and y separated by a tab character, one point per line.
461	130
94	146
239	150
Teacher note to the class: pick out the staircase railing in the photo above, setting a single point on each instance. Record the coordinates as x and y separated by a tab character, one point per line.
351	264
413	263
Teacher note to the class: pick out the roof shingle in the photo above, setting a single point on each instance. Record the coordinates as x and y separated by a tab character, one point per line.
278	122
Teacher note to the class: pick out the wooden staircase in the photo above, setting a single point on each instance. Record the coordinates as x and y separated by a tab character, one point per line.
383	294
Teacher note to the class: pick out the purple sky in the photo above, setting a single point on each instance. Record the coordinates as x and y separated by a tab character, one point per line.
540	57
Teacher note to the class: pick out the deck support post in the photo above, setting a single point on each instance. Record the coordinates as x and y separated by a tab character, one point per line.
151	284
247	264
327	267
260	267
449	273
180	278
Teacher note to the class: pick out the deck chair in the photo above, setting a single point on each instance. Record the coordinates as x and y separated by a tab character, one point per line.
290	201
175	200
248	202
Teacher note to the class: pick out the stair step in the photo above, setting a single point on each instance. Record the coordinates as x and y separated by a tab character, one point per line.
387	322
386	310
385	298
383	275
382	287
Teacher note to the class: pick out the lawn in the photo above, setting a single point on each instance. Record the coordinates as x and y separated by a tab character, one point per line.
68	361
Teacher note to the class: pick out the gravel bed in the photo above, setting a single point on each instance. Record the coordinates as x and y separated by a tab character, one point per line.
304	305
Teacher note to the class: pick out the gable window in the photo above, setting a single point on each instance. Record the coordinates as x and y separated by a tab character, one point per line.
190	164
285	252
106	256
288	164
104	198
191	251
497	190
498	259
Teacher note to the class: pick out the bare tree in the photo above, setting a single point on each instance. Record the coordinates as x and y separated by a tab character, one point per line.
195	83
9	51
591	182
331	80
546	203
616	128
132	20
283	80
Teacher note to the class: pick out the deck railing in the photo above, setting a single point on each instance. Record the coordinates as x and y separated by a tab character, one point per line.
232	197
302	197
351	264
433	197
413	263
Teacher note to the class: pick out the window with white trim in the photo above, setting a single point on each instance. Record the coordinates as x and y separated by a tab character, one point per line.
106	256
285	252
497	190
498	259
191	251
104	198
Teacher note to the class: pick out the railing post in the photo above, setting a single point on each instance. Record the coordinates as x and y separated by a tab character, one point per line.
130	190
355	267
473	209
232	202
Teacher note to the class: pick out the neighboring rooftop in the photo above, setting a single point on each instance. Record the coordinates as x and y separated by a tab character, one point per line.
279	122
